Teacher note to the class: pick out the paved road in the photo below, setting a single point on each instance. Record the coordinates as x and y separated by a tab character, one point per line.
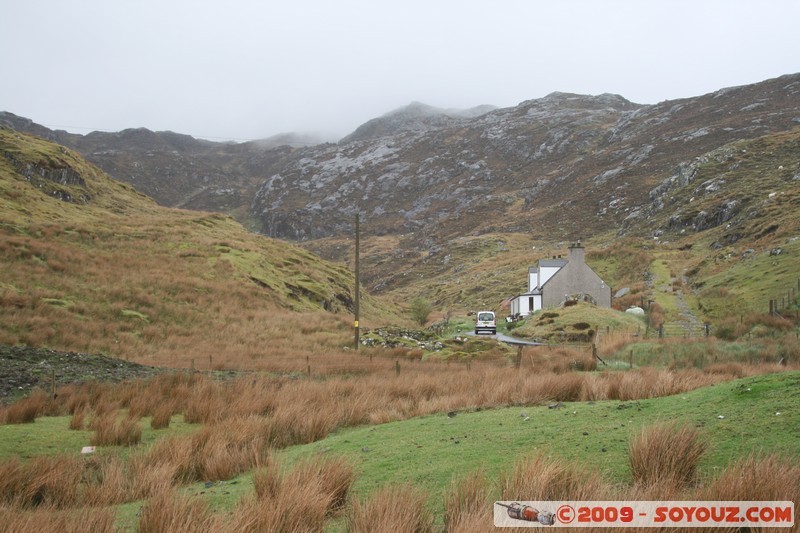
509	340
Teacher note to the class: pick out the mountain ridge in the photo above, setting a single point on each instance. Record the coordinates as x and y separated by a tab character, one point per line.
548	170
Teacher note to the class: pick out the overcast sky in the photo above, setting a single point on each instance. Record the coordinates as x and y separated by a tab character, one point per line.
241	69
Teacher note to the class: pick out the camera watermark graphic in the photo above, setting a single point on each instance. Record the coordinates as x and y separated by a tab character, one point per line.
597	514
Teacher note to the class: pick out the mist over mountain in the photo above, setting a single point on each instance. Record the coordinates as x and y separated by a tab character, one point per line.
553	167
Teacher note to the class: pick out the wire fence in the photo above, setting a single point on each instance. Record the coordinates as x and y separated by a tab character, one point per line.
787	303
675	329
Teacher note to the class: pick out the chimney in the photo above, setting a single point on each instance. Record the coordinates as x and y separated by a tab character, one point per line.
576	252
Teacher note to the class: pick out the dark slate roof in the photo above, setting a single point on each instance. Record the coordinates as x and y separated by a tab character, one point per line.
552	262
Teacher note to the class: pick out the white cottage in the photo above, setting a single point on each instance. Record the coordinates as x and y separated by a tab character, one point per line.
553	281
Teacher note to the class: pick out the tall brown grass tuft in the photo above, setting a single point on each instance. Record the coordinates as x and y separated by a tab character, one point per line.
298	500
297	507
396	508
666	454
26	410
215	452
77	419
540	477
109	431
44	519
333	475
12	475
170	511
267	479
205	404
755	478
162	415
44	481
467	507
107	481
614	341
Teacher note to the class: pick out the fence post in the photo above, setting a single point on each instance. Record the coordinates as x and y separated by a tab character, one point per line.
661	331
397	367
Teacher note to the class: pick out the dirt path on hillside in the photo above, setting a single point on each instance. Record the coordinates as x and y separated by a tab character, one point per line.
683	321
688	320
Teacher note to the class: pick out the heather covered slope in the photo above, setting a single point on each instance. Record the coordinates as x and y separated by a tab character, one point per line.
90	265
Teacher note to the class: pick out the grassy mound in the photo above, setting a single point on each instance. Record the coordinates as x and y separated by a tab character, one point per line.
576	323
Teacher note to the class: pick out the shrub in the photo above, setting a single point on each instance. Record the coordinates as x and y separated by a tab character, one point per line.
666	454
420	310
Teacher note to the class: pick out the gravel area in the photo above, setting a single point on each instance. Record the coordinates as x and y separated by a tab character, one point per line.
22	369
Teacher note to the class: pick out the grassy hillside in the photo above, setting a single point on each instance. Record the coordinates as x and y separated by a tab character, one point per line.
88	264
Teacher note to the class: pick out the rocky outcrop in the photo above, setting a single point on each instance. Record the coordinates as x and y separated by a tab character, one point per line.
56	179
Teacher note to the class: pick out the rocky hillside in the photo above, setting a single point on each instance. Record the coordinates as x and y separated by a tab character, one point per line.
448	196
178	170
558	166
553	167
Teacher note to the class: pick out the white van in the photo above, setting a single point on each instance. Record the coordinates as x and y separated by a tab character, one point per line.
485	321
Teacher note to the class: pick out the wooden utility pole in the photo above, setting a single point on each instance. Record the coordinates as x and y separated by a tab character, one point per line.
358	284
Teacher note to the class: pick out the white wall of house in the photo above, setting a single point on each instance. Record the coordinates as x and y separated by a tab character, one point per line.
525	304
519	305
533	278
537	303
547	272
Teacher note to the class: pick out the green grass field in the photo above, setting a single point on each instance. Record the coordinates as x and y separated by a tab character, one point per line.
755	415
429	451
